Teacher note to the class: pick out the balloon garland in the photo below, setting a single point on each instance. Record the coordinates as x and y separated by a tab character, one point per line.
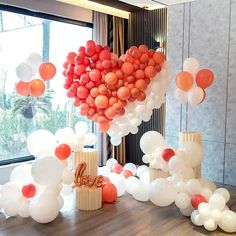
192	82
114	92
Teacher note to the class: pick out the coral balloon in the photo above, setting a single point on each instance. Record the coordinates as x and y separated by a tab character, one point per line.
47	70
196	199
63	151
111	79
167	154
101	101
117	168
22	88
123	93
159	57
204	78
150	71
109	192
141	84
36	87
104	127
127	173
184	80
95	75
28	190
127	68
82	92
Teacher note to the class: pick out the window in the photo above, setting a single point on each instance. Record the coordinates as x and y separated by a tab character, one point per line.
20	35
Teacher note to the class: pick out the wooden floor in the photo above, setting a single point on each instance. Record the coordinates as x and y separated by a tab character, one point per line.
126	217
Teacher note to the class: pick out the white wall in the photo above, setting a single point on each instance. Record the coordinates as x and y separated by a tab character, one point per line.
53	7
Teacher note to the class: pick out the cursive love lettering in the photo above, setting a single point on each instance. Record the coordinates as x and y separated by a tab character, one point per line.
86	180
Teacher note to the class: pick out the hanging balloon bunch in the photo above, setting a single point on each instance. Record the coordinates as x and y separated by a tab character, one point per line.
192	82
36	189
32	83
108	89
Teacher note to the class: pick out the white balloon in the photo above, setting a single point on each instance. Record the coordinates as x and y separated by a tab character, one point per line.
187	211
10	192
206	193
150	141
180	96
228	221
140	191
141	169
216	215
103	171
129	182
182	200
110	162
204	212
11	207
44	208
67	136
24	71
41	142
224	193
53	189
191	65
195	96
90	139
145	177
181	187
2	201
188	173
217	201
47	171
193	151
81	127
162	192
60	201
67	177
194	186
210	225
119	184
176	165
195	218
208	184
21	174
66	190
35	60
23	208
131	167
116	140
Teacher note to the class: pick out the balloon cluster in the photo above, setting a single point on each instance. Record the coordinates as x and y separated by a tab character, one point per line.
192	82
33	83
198	198
36	190
106	87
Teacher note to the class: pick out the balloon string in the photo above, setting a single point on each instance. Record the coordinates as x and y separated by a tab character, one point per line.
189	118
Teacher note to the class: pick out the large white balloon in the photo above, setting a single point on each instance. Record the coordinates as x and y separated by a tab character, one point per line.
24	71
67	136
162	192
11	207
191	65
228	221
10	192
141	169
110	162
47	171
150	141
176	165
21	174
224	193
182	200
44	208
194	186
217	201
41	142
90	139
140	191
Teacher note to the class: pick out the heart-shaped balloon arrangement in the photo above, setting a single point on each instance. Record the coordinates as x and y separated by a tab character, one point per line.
117	93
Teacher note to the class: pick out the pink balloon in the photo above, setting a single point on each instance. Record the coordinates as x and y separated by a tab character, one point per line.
104	54
82	92
106	64
139	74
114	56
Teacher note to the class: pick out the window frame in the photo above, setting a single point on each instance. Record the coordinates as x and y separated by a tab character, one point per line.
46	16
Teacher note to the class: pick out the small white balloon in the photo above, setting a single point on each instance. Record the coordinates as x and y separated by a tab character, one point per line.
194	186
210	225
176	165
141	169
131	167
180	96
195	96
11	207
67	177
24	72
223	192
216	215
35	60
110	162
217	201
140	191
228	221
206	193
191	65
116	140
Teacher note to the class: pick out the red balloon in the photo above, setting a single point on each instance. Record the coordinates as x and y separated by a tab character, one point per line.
47	70
117	168
139	74
104	54
22	88
82	92
127	173
79	69
106	179
141	84
144	58
196	199
90	43
109	193
143	48
101	101
204	78
28	190
90	51
95	75
36	87
150	71
167	154
63	151
71	57
159	57
123	93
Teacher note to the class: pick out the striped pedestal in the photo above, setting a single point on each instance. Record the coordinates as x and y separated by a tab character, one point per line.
192	137
156	173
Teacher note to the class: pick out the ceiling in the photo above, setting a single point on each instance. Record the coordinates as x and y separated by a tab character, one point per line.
153	4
